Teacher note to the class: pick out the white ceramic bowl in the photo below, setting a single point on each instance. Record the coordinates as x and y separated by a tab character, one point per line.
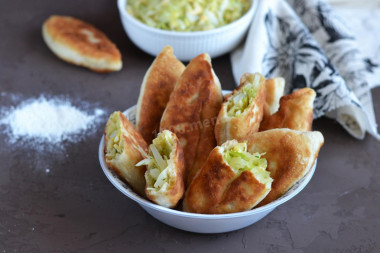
199	223
186	45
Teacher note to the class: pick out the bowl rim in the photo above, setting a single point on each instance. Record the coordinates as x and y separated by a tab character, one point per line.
148	204
248	15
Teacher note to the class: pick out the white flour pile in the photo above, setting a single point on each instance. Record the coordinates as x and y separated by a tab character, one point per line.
48	120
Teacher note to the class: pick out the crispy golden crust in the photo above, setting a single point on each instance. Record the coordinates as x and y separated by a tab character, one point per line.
158	84
217	189
290	155
274	90
296	112
239	128
243	194
170	196
192	110
67	36
134	151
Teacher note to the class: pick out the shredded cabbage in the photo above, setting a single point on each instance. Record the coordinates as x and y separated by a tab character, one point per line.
240	160
157	160
115	144
160	162
242	99
187	15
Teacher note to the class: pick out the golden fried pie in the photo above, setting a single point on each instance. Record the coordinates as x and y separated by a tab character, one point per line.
232	180
158	84
242	110
124	147
192	110
165	170
295	112
274	90
290	155
80	43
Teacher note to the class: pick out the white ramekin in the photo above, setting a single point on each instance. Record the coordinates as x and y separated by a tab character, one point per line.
186	45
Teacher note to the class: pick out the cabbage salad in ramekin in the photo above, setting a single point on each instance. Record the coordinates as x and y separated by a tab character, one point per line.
187	15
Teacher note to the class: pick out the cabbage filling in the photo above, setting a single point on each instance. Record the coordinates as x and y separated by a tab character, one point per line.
240	160
243	98
114	135
187	15
157	174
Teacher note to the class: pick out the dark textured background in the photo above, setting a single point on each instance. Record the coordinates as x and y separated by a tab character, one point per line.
75	209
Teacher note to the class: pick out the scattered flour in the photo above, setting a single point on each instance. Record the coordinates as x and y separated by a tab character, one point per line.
48	120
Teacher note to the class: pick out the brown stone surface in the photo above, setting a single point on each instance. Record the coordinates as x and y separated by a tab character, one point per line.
74	208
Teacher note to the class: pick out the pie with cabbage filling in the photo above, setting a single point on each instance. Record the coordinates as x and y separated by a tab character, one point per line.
192	110
165	170
80	43
274	90
295	112
124	147
242	110
290	155
157	85
232	180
